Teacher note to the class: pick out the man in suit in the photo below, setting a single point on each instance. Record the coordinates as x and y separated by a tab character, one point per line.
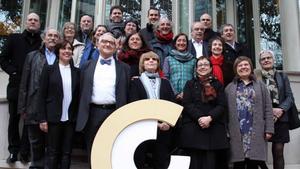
207	22
84	35
12	60
29	95
104	88
197	46
231	51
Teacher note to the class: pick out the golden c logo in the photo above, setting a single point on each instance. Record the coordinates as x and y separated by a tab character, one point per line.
127	127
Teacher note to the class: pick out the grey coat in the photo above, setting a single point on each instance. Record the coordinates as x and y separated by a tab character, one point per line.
262	122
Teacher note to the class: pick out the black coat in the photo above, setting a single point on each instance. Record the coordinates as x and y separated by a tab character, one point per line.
51	94
13	56
230	55
138	92
191	134
209	34
86	89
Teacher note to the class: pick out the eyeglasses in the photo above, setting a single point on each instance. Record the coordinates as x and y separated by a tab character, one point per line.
266	58
205	19
111	43
147	59
203	65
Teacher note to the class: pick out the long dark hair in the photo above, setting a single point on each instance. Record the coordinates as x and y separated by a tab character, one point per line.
144	44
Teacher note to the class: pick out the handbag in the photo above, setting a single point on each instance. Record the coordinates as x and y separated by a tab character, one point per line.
294	121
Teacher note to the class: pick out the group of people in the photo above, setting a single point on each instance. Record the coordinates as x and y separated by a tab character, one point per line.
60	84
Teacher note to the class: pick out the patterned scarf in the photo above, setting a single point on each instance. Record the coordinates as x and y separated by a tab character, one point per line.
208	92
217	62
165	39
269	79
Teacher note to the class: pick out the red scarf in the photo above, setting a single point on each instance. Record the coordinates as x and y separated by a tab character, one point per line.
164	38
131	57
217	62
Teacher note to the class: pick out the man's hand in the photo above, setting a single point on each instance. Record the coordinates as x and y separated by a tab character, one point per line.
44	127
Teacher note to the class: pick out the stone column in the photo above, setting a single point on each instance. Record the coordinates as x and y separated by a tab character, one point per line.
290	34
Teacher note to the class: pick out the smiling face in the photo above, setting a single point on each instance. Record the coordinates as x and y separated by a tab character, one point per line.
165	26
130	28
216	47
243	69
65	54
107	45
153	16
116	15
100	31
69	31
181	43
266	60
203	67
135	42
51	38
228	34
198	31
151	64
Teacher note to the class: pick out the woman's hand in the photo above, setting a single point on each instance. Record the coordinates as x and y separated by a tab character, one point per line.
44	127
268	136
204	121
277	112
163	126
179	96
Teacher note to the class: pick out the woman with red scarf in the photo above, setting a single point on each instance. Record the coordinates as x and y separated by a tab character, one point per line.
162	43
133	47
217	58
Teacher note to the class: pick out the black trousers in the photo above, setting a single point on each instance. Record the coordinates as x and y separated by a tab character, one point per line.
96	118
15	143
37	149
249	164
59	144
202	159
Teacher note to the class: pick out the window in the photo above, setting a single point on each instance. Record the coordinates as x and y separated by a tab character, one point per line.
132	9
84	7
270	35
65	13
202	6
164	6
39	7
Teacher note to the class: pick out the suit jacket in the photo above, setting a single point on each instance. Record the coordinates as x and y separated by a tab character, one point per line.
13	57
86	89
192	49
51	94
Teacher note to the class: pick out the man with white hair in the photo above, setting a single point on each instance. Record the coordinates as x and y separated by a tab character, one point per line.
104	88
29	95
12	60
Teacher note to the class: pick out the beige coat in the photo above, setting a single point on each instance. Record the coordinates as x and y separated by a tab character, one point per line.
77	52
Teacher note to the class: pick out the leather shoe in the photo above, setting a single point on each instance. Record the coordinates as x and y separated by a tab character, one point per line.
24	158
12	158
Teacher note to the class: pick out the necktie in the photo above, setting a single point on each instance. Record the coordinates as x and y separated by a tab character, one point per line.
103	61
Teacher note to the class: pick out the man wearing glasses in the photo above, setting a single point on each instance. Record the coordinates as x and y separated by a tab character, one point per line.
104	88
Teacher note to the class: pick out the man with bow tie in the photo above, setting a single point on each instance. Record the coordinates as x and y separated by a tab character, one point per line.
104	88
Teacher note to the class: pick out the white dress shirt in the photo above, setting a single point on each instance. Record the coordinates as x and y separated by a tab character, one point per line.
104	85
198	47
65	72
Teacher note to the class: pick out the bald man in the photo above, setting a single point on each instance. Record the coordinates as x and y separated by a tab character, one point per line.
209	33
12	60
